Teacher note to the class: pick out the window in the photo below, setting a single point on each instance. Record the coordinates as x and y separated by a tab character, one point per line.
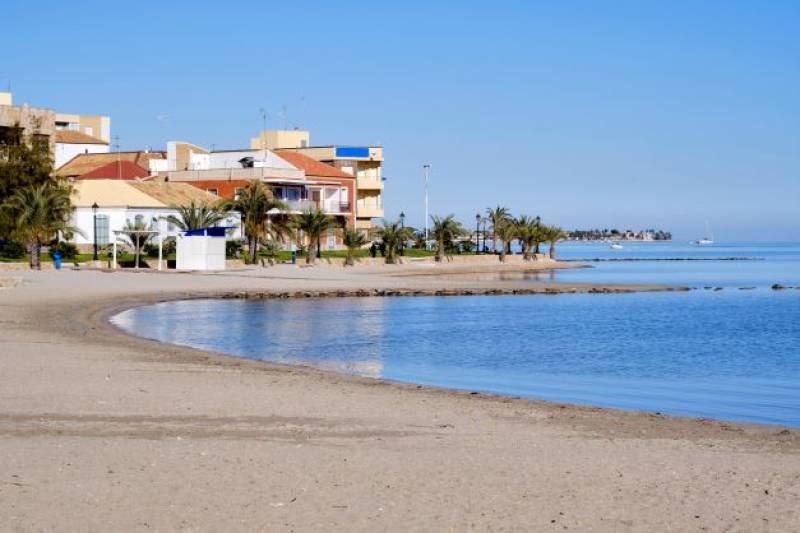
102	229
239	192
138	220
215	192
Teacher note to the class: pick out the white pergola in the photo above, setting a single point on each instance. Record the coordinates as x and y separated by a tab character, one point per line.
132	233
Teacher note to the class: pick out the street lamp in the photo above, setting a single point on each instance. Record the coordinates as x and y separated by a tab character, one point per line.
477	233
402	225
95	207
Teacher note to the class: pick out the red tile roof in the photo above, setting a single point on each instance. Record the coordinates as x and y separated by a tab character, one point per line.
124	170
76	137
311	167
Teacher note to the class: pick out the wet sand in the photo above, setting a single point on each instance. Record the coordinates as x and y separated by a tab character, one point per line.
103	431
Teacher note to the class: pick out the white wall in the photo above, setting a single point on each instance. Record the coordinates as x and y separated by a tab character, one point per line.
65	152
83	219
198	252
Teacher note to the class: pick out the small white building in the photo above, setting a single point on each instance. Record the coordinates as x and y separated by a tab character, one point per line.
119	202
201	249
72	143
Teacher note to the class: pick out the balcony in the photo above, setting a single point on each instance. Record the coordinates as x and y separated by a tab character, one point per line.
369	183
369	210
329	207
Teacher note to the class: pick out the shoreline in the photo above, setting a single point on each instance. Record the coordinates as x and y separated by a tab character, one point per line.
260	433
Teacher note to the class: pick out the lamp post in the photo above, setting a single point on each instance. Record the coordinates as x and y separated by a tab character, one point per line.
426	170
403	226
95	207
477	233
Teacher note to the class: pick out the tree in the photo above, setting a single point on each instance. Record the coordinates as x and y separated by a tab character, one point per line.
552	235
25	161
392	234
137	234
313	223
506	232
529	232
255	205
353	239
445	231
37	214
195	216
498	216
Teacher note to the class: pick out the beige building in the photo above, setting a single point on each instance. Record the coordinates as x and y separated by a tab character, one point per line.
69	135
363	162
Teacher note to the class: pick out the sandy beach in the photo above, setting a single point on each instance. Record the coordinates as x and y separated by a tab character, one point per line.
101	431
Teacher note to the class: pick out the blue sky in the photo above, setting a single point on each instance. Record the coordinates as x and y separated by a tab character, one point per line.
590	114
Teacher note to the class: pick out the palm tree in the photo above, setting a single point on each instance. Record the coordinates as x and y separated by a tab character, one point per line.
392	234
445	230
195	216
313	222
255	205
552	235
506	232
353	239
529	232
38	213
137	234
498	216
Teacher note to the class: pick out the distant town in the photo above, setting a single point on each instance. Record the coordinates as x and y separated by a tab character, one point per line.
617	235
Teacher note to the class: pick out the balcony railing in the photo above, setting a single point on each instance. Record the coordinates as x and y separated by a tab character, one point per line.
299	206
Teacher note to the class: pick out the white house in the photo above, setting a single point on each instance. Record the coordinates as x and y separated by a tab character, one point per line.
119	202
71	143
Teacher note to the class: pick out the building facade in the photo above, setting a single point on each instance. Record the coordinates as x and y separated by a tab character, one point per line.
364	163
68	135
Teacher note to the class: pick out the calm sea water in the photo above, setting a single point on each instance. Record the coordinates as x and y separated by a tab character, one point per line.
728	354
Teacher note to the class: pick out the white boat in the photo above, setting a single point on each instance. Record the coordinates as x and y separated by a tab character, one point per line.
708	239
616	246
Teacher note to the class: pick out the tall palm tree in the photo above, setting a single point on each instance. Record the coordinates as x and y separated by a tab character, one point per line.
444	231
529	232
392	234
195	216
353	239
313	223
553	234
255	205
38	213
498	216
506	232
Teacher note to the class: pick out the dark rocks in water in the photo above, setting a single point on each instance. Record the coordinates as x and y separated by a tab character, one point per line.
746	288
778	287
717	289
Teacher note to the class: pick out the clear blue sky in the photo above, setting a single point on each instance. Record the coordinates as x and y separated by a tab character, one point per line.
590	114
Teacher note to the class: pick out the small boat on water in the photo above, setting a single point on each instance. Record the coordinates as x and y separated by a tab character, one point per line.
616	246
708	239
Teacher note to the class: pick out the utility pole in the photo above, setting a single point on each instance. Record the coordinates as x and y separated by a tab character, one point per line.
426	169
263	141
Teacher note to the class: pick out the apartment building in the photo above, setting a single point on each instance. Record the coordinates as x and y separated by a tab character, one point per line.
364	163
300	181
68	135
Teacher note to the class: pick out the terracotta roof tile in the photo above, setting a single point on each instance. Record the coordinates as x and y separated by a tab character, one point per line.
76	137
83	163
312	167
123	170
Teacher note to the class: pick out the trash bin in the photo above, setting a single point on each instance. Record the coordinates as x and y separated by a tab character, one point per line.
57	260
294	257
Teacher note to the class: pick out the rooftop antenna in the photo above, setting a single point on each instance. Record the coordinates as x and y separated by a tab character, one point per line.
283	113
302	111
119	158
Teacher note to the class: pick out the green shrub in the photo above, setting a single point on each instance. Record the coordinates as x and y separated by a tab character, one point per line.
12	250
233	248
66	249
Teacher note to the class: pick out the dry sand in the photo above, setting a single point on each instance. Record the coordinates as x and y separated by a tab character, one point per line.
100	431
